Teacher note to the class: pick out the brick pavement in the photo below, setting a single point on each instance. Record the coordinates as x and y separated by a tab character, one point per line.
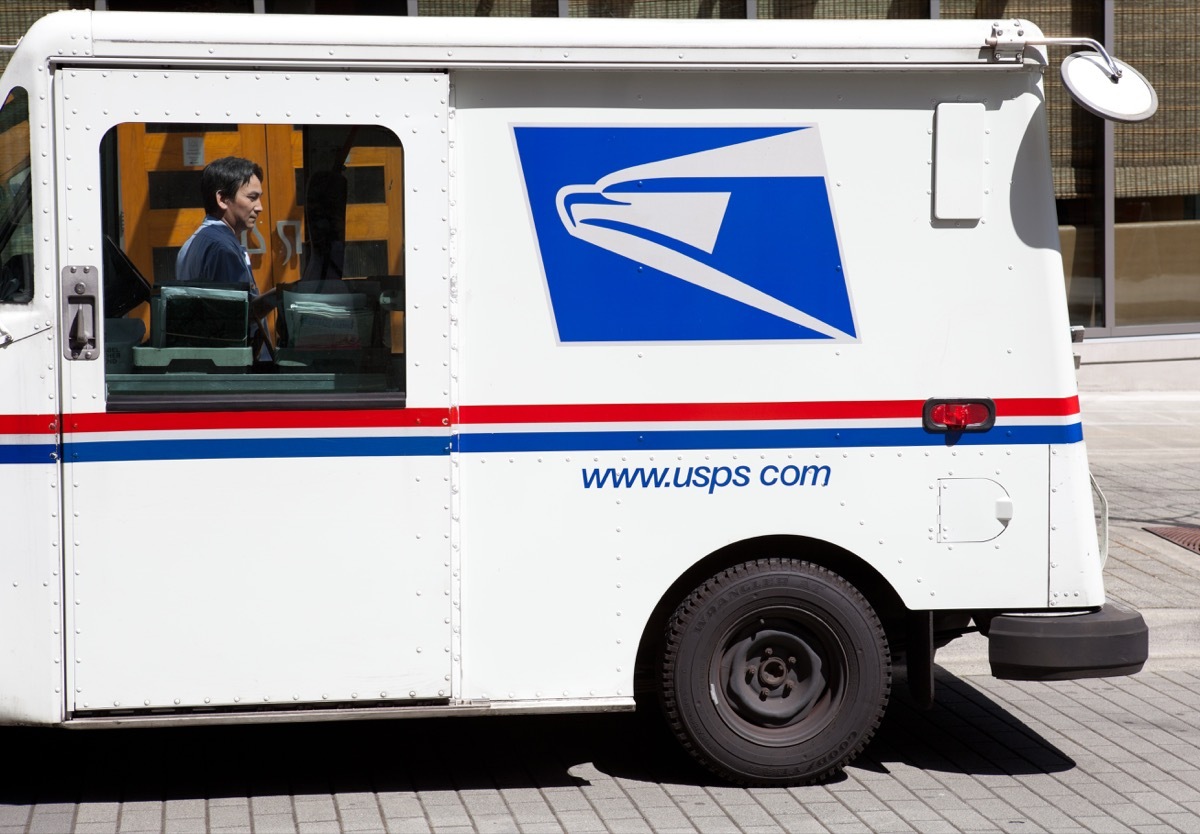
1119	755
1145	453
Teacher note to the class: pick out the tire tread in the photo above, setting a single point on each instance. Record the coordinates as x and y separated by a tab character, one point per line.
677	625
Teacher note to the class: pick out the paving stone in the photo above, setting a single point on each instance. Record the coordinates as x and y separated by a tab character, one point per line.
99	827
407	825
970	820
1023	826
182	809
185	825
362	819
276	824
531	812
651	798
135	820
914	811
91	812
400	805
571	800
1104	825
630	826
432	798
580	821
661	818
832	813
310	810
700	806
884	821
937	827
320	827
59	808
1154	802
541	828
441	816
801	824
749	814
486	806
50	823
229	816
616	808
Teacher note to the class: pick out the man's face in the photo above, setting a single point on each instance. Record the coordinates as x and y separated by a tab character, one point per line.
241	212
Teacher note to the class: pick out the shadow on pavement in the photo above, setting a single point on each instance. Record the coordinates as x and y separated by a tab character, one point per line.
965	732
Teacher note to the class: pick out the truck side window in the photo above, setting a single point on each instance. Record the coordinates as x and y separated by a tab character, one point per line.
16	215
324	315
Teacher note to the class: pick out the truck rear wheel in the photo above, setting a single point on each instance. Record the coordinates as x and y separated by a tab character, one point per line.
775	672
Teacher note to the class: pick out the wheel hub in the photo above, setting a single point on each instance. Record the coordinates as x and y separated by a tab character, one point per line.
773	677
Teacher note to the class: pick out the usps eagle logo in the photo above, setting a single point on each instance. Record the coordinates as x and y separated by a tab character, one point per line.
686	233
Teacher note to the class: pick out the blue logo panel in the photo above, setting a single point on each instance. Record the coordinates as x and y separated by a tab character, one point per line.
686	233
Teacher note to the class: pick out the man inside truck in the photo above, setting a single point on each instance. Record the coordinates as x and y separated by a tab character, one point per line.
232	190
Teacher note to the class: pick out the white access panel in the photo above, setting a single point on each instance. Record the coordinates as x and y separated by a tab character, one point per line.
972	509
959	161
285	578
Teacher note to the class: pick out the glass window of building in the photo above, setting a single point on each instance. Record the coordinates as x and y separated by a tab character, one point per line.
1157	171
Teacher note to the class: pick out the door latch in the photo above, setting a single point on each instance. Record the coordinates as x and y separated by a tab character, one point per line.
81	295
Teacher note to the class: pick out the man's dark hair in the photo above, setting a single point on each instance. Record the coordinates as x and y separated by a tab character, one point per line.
225	176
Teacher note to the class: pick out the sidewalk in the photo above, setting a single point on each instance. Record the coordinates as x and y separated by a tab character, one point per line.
1145	453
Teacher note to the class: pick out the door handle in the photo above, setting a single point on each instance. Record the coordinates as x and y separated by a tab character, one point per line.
81	295
83	328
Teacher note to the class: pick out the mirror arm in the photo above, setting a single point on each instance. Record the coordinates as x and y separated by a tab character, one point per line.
1114	71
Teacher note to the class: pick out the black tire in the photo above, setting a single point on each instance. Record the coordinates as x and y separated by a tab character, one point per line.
775	672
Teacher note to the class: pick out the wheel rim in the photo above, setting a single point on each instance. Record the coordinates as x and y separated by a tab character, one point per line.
779	678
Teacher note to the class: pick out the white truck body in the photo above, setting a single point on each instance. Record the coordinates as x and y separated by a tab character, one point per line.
677	296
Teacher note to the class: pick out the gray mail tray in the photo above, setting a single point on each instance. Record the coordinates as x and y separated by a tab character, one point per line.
228	360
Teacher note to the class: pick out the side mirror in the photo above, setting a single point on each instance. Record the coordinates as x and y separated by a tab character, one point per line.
1098	82
1107	87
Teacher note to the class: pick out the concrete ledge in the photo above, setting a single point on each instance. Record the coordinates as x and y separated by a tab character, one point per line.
1139	349
1157	375
1140	363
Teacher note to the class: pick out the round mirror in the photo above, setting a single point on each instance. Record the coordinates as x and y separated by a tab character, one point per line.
1129	98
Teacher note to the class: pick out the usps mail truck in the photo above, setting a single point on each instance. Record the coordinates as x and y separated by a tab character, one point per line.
719	367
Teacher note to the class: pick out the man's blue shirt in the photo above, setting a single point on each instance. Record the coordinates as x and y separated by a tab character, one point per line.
213	254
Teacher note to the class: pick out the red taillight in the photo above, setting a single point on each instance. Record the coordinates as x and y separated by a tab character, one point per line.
959	415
